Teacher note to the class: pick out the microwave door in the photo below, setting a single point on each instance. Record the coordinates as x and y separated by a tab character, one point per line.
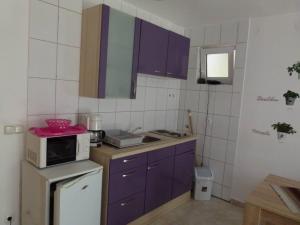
78	201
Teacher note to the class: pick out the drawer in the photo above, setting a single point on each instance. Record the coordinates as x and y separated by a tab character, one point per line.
161	154
126	183
186	147
130	162
126	210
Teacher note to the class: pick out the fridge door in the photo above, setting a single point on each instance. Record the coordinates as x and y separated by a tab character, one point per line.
78	201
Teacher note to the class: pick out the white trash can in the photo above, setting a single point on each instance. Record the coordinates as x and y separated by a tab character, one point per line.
203	183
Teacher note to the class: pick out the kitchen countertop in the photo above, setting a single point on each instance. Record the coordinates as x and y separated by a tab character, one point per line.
115	153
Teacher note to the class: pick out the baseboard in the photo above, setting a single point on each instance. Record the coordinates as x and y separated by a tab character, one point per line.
156	213
237	203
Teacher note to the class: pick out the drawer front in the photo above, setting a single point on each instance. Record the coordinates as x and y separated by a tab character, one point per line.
161	154
126	183
130	162
185	147
126	210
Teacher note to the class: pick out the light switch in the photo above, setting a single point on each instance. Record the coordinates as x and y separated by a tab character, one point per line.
13	129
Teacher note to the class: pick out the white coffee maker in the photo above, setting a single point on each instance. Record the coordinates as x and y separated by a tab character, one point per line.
93	123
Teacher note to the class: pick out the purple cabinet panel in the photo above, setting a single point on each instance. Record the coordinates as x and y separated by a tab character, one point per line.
178	56
185	147
183	173
126	183
159	183
153	49
126	210
161	154
126	163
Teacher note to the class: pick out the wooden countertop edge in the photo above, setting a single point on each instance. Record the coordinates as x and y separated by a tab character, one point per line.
114	153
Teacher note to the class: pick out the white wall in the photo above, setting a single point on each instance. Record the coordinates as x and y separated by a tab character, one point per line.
224	102
273	46
13	101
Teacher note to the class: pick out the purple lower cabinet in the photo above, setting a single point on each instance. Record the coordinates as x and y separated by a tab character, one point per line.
126	183
159	183
183	173
126	210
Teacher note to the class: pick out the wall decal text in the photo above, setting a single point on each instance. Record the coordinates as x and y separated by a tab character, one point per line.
267	99
265	133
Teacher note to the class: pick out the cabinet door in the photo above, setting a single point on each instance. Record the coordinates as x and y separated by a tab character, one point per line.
178	56
183	173
153	49
159	183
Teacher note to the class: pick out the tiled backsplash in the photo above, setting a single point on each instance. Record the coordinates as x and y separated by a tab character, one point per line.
53	75
224	103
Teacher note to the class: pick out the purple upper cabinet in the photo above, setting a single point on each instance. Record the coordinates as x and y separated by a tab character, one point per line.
178	56
159	183
153	49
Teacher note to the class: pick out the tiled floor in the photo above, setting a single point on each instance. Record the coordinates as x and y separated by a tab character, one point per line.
214	212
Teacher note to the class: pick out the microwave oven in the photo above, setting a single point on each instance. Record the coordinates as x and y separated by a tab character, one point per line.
43	152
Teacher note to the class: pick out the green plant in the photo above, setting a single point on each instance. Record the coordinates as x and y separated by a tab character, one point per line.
294	68
284	128
291	94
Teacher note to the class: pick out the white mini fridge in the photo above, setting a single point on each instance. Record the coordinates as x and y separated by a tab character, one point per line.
69	194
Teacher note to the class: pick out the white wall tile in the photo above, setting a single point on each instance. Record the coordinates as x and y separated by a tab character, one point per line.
193	75
182	99
38	120
197	37
230	154
42	59
41	96
53	2
173	99
123	120
180	126
226	195
201	123
172	83
194	121
116	4
88	105
138	104
149	120
238	80
217	168
107	105
224	88
171	120
43	21
129	8
240	56
160	120
212	35
222	103
67	93
207	146
228	175
123	105
108	120
203	101
211	102
150	98
69	28
218	149
243	31
72	117
161	99
91	3
217	190
220	126
192	101
233	128
229	33
75	5
141	80
137	120
199	144
236	104
68	63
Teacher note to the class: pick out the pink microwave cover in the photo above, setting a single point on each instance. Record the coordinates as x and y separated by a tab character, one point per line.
50	132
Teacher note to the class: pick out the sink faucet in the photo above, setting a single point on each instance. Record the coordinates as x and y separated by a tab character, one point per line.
135	129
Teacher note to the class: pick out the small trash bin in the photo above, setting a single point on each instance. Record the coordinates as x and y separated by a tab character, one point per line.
203	183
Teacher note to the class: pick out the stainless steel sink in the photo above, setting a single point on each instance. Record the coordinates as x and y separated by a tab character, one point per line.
149	139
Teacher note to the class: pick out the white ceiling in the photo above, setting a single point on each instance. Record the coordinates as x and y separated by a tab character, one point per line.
190	13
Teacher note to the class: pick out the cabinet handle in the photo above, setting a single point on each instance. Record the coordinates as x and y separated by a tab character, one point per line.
157	71
128	174
78	148
126	203
170	73
128	160
152	167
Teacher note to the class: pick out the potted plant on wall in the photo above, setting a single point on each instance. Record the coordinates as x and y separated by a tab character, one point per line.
283	129
294	68
290	97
